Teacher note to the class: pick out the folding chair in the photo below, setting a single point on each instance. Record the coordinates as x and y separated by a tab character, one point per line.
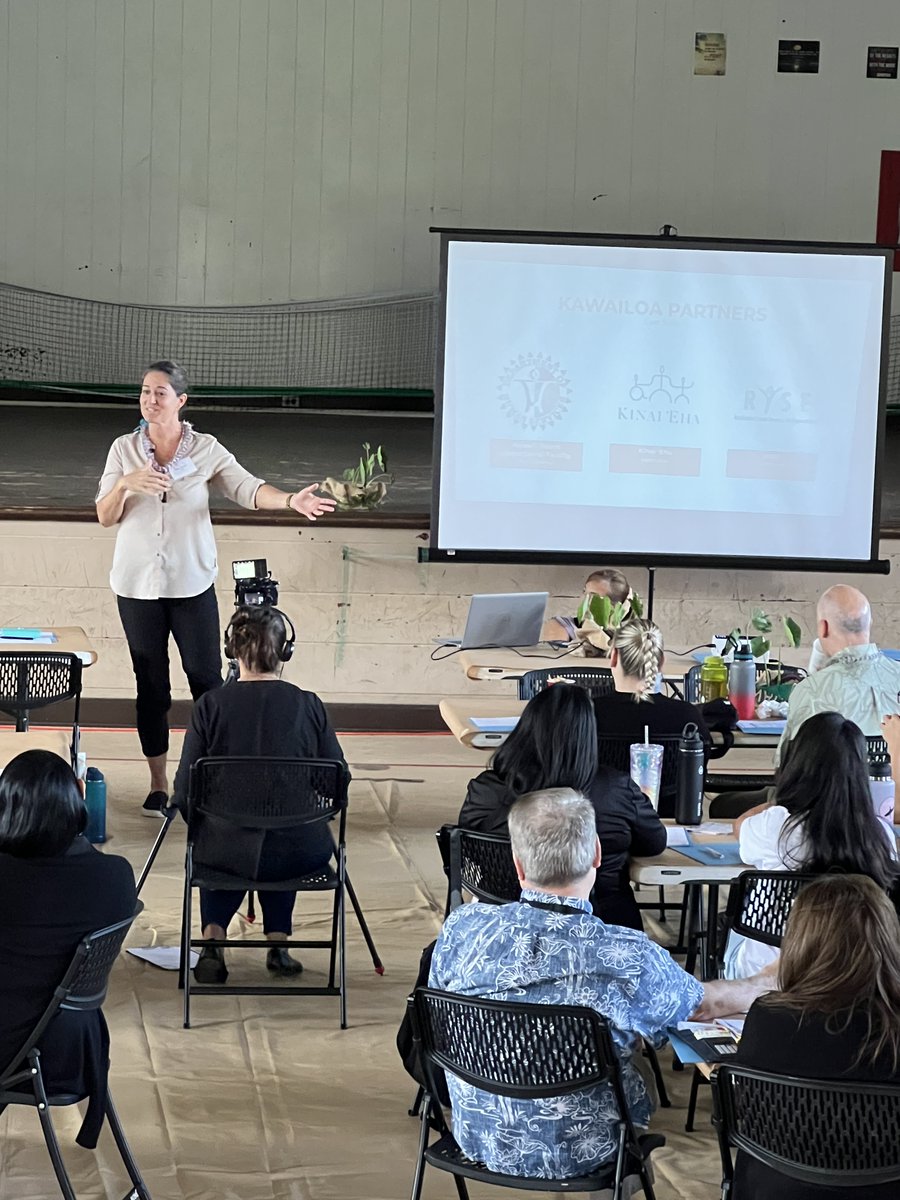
482	864
830	1134
759	904
82	989
524	1051
597	682
31	679
232	803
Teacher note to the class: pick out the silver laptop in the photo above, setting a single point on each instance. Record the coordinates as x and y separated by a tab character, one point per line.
505	619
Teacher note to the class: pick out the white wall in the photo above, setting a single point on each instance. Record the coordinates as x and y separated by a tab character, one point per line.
367	612
246	151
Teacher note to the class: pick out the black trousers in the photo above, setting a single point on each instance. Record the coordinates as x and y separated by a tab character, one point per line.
193	621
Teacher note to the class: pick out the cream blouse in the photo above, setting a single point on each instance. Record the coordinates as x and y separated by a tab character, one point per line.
166	549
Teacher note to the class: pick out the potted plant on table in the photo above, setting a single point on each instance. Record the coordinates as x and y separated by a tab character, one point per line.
598	618
771	685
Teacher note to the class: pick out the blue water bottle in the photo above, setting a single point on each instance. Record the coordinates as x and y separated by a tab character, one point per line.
95	803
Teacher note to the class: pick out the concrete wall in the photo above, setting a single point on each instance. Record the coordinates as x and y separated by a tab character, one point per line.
366	611
243	151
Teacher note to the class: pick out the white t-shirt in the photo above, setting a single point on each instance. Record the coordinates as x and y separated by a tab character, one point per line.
763	847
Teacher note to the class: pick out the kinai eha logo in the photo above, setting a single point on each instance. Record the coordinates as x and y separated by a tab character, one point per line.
534	391
660	401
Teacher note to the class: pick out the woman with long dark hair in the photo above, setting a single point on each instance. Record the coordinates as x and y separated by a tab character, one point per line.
822	819
836	1015
55	888
554	745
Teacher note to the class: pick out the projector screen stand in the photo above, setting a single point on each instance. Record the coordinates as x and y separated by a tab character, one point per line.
651	584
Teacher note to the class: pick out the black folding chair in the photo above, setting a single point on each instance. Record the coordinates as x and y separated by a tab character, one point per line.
759	904
32	679
482	864
825	1133
597	682
749	782
527	1052
232	803
82	989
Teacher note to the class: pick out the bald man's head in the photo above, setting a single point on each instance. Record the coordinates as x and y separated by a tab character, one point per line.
844	618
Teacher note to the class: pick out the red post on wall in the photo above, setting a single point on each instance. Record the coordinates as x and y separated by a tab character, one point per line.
887	231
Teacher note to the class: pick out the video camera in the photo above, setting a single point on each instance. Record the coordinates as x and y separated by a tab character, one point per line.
253	583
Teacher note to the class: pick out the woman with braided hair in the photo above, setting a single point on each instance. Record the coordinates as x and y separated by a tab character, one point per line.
636	658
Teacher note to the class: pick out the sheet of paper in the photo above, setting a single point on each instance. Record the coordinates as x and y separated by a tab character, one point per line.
715	827
734	1024
166	957
28	637
494	724
677	835
772	727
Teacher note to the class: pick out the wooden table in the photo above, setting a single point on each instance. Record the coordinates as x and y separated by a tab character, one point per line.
12	743
512	664
458	713
70	639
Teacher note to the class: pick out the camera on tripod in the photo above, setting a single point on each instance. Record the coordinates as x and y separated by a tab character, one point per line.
253	583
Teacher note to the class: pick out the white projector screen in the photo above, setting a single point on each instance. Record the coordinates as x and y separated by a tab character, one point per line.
659	400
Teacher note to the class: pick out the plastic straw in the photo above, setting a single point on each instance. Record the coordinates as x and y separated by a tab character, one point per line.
646	735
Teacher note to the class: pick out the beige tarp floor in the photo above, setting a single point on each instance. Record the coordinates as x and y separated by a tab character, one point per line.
265	1098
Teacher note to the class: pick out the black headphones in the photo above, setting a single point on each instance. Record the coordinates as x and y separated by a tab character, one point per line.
290	637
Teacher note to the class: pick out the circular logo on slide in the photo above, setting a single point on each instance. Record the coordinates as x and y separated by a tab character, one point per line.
534	391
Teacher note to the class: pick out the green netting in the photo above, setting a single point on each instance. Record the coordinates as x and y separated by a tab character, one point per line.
378	343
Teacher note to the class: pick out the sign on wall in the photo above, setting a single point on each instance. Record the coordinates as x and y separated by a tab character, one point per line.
709	53
798	58
882	62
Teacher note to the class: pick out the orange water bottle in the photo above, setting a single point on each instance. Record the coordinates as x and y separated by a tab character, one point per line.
742	683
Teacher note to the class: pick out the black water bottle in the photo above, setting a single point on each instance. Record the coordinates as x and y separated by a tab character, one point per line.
691	769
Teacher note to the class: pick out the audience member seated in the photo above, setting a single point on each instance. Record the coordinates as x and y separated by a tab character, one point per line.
849	674
55	888
262	715
549	948
605	582
821	819
837	1015
636	658
554	745
890	728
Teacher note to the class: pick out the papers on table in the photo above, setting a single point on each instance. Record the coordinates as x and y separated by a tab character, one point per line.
167	957
494	724
677	835
28	636
681	835
773	726
723	854
697	1041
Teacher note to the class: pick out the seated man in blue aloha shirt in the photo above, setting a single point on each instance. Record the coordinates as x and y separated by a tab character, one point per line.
549	948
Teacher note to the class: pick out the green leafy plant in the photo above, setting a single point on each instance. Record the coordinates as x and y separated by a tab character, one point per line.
364	485
763	624
371	465
607	615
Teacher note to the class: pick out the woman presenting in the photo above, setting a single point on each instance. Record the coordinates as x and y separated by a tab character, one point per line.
155	487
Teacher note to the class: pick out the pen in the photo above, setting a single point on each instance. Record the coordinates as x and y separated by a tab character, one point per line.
713	853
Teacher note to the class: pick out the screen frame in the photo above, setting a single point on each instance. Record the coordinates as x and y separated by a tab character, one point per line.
437	553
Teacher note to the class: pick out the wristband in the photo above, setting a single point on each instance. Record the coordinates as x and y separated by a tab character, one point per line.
287	503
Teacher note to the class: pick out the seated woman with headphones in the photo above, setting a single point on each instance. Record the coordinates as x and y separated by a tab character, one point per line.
262	715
